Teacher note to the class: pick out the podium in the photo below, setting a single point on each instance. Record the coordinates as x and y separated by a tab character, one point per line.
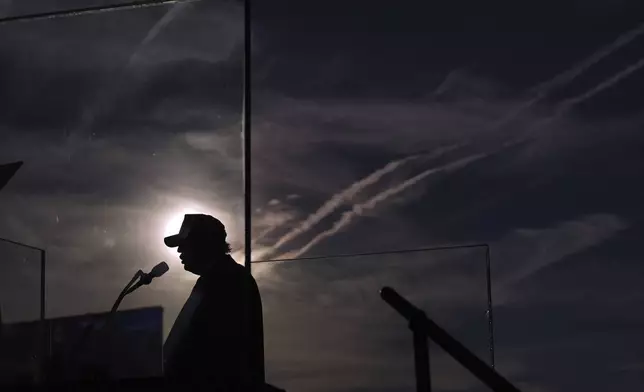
82	348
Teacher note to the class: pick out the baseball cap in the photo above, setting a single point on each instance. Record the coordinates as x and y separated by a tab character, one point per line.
200	226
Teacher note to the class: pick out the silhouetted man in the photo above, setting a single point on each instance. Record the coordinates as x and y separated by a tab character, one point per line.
217	338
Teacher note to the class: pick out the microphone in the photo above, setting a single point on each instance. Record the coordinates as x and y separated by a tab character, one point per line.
145	279
156	272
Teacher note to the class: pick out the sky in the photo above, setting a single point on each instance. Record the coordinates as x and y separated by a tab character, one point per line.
375	127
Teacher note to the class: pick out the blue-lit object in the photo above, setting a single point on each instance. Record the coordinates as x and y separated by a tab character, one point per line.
130	347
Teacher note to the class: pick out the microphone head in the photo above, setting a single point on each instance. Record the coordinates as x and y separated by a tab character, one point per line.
159	270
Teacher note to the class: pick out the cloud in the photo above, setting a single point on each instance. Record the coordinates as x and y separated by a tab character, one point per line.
526	251
118	75
539	92
608	83
173	12
171	137
339	199
359	209
224	142
561	108
501	175
578	69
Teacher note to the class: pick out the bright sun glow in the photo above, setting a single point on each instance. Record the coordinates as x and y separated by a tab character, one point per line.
173	223
173	220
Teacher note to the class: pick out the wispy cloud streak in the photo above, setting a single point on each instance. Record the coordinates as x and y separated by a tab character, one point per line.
606	84
107	95
360	209
562	108
541	91
347	194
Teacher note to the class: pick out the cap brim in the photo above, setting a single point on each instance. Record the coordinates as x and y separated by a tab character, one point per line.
172	241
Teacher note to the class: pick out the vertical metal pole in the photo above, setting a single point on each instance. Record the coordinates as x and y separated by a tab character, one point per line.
43	328
490	318
43	263
246	127
421	360
247	151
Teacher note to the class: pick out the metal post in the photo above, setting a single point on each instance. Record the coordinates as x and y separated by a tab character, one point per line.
246	127
453	347
44	343
490	318
43	264
421	359
43	327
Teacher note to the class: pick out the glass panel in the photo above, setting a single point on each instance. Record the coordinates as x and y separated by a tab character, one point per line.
125	121
20	311
328	330
19	283
449	375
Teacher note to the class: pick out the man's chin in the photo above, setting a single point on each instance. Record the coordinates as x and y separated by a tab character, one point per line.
192	270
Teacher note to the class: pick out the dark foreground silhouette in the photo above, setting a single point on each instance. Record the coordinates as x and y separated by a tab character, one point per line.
217	338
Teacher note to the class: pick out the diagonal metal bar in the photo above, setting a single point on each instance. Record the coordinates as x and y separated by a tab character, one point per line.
452	346
89	10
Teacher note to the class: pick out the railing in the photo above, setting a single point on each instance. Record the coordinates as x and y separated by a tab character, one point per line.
326	305
422	328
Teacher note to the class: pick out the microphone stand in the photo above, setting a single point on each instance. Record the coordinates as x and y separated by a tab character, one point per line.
129	288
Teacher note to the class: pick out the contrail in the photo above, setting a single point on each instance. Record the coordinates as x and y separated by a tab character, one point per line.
608	83
569	103
578	69
101	102
542	90
360	209
266	232
156	29
336	201
347	194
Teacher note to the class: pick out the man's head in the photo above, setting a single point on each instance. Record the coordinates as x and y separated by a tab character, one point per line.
201	242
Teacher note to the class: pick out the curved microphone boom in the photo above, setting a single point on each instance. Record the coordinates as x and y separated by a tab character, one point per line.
156	272
145	279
